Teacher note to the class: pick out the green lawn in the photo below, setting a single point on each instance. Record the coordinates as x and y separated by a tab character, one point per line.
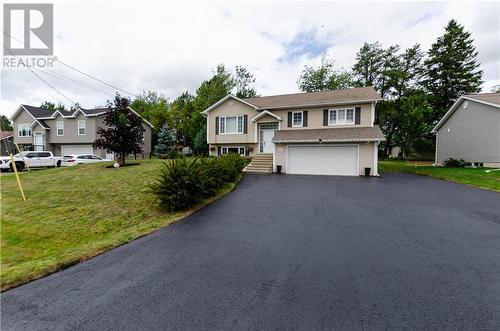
72	214
471	176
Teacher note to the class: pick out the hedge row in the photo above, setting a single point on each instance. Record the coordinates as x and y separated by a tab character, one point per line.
183	183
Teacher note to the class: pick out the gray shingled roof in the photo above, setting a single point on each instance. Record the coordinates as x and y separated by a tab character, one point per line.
329	135
94	111
38	112
486	97
315	98
43	124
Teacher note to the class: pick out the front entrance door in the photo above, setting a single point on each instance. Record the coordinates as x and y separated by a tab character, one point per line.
267	137
38	141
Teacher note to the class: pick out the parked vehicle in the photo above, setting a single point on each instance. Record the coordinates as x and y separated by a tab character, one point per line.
33	159
71	160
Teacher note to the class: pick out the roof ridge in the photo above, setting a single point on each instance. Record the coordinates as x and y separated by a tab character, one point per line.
314	92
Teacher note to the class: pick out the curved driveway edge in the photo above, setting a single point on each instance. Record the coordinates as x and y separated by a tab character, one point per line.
292	252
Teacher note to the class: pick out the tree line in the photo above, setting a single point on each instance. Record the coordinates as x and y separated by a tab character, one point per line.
417	88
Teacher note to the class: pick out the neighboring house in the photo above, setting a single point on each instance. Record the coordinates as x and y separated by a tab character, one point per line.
6	142
65	132
321	133
470	130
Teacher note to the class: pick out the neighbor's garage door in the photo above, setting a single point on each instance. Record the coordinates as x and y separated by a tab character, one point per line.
76	149
323	160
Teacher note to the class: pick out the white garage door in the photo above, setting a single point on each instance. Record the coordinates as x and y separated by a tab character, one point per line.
76	149
323	160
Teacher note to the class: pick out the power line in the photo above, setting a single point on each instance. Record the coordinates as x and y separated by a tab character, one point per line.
43	80
73	68
69	79
31	82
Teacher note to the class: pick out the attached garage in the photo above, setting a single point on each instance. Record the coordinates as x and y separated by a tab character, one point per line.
338	160
76	149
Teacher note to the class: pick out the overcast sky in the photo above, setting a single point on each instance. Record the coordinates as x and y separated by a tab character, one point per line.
171	47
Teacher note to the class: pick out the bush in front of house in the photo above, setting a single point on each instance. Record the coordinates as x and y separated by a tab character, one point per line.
454	163
183	183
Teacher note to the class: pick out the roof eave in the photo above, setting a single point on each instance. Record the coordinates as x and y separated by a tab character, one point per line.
349	102
221	101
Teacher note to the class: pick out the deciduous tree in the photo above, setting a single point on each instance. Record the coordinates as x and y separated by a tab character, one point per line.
123	132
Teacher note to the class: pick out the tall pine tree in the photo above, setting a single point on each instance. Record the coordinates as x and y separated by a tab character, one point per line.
451	69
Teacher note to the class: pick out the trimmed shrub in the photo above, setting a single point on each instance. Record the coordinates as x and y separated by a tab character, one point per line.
183	183
454	163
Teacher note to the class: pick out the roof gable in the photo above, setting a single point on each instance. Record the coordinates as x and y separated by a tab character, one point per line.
489	99
227	97
39	114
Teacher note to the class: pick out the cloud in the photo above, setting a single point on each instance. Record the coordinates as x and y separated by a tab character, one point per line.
171	47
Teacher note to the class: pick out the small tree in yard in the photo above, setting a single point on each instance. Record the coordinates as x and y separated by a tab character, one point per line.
123	132
166	138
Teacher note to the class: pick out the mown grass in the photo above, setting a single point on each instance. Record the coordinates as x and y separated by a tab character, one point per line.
470	176
72	214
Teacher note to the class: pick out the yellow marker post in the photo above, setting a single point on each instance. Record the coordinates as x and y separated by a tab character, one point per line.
17	176
22	157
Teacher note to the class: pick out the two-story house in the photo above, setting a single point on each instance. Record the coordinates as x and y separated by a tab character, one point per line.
65	132
320	133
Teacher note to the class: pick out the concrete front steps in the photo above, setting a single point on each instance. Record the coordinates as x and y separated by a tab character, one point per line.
261	164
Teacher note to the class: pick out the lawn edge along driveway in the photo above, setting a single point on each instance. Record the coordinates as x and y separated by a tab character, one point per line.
474	177
48	233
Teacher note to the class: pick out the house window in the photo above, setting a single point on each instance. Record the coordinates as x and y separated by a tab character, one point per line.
297	117
232	149
231	125
341	116
81	128
24	130
60	128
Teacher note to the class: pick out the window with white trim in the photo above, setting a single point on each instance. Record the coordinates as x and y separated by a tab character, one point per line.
82	130
297	119
233	149
60	128
341	116
231	125
24	130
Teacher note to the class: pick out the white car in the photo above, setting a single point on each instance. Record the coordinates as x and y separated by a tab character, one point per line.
34	159
71	160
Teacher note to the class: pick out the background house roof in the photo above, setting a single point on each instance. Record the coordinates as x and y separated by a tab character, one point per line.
316	98
329	135
6	134
485	97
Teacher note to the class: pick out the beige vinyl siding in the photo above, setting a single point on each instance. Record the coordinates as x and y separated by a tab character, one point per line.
315	120
232	108
366	158
315	117
474	134
22	117
71	135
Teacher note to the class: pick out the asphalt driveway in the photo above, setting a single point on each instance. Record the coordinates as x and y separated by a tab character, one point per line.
292	252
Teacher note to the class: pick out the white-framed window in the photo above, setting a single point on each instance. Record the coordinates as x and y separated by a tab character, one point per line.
297	119
24	130
82	130
231	125
341	116
233	149
60	128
